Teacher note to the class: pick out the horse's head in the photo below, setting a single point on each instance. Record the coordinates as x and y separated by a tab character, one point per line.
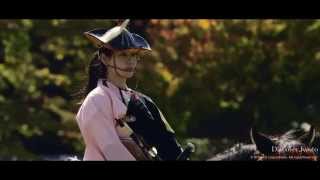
293	145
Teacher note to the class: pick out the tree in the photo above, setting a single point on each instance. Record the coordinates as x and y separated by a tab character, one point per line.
211	78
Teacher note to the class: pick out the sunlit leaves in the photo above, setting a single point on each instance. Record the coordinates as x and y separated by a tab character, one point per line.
265	70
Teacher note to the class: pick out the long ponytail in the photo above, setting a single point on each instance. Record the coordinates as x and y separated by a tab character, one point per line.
96	70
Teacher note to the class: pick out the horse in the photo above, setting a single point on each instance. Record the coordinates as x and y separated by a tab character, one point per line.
296	144
293	145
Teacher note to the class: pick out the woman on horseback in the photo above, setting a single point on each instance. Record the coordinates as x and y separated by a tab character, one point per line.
116	122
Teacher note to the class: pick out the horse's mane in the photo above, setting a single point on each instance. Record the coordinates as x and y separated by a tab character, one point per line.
238	152
294	133
316	143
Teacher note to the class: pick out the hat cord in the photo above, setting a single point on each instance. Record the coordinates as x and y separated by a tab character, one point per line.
115	68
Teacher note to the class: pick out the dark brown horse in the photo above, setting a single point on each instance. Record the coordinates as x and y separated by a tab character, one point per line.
296	144
293	145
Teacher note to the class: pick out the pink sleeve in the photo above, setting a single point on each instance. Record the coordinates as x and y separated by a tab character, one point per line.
99	129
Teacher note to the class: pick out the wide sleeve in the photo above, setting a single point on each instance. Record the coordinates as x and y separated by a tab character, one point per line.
153	127
98	129
167	145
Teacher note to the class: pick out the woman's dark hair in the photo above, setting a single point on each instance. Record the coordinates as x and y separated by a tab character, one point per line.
96	70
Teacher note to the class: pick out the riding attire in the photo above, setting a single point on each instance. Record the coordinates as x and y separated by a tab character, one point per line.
123	124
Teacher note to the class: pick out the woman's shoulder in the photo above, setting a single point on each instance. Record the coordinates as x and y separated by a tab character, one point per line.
96	96
94	102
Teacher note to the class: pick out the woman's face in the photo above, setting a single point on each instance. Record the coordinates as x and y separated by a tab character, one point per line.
125	61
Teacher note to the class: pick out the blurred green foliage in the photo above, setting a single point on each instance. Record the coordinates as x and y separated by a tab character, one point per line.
213	79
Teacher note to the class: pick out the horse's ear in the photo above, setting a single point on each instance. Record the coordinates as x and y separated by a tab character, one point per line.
262	142
309	137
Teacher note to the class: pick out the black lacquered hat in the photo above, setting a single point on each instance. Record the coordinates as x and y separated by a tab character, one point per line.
117	38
